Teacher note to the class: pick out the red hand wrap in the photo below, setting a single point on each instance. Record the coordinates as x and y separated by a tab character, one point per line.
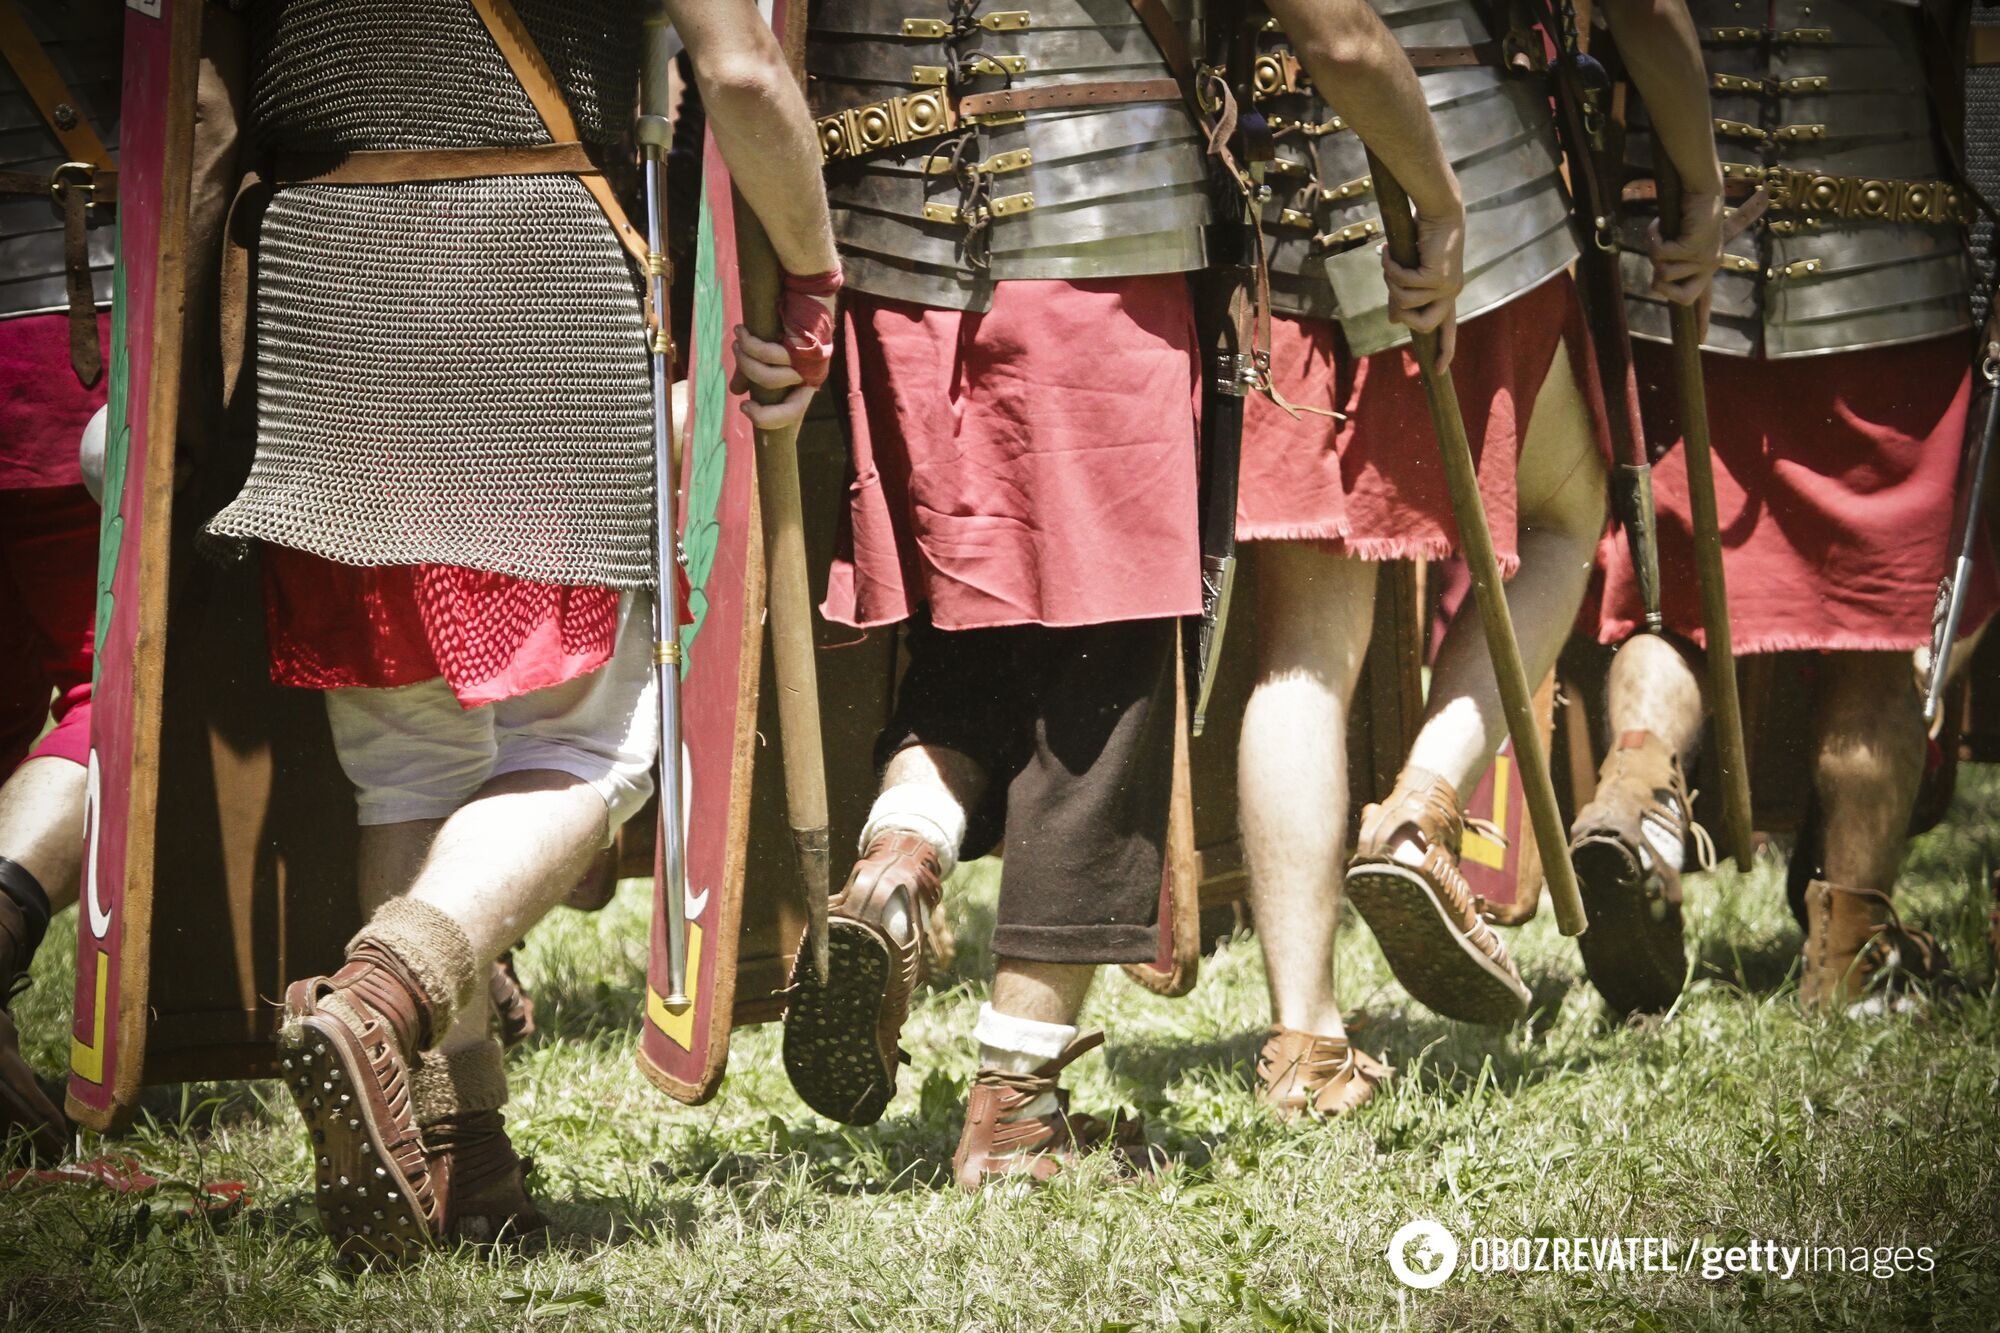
808	323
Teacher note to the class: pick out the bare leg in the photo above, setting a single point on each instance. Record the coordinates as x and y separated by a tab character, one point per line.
1315	613
1869	763
1042	992
41	825
510	854
1653	687
390	856
1561	488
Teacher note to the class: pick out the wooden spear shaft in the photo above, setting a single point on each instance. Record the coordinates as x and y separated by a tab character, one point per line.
1733	755
789	583
1476	543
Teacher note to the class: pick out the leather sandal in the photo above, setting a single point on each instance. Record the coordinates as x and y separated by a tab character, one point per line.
25	1110
1303	1073
345	1046
1634	951
841	1031
998	1141
1404	880
480	1182
1857	948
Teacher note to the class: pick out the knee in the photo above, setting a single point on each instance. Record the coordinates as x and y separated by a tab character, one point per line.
1873	730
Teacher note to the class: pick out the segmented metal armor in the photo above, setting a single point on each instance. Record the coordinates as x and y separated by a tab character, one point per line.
1824	104
970	142
1323	222
82	42
455	371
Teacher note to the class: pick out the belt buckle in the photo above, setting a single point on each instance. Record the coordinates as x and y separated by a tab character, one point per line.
73	176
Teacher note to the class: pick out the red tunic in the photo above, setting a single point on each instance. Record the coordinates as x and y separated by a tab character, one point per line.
1371	485
491	636
43	407
1034	464
1835	480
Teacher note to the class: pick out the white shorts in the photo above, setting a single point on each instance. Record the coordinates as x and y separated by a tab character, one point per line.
413	753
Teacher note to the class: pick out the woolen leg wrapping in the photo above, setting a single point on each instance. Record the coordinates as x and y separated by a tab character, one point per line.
433	947
449	1083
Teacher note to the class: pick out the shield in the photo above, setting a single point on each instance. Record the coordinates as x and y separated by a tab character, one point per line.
721	656
213	795
1505	874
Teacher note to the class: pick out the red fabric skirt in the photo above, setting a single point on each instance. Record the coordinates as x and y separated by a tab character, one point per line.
1031	465
1835	480
43	407
491	636
1371	485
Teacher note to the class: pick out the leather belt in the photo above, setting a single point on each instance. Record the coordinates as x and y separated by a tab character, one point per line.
863	130
1815	194
399	166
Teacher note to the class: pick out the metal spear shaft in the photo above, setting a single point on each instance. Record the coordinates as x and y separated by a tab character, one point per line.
1476	541
1731	751
655	134
789	595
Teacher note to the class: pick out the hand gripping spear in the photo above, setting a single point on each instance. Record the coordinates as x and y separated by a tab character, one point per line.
1731	750
655	133
1467	510
790	591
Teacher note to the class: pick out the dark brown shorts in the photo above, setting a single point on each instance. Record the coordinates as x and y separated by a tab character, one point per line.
1074	729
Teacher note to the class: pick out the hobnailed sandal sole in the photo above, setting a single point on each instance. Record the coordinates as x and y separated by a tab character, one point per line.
365	1203
1440	968
830	1051
1636	962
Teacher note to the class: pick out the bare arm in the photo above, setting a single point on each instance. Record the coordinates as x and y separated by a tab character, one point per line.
1359	68
1657	41
761	124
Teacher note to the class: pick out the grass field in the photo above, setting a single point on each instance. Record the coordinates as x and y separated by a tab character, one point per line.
1735	1120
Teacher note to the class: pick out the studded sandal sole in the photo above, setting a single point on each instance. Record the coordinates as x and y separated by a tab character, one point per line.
830	1050
1440	968
1636	960
365	1203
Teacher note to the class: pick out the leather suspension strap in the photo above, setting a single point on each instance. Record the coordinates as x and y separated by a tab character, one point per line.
518	49
86	180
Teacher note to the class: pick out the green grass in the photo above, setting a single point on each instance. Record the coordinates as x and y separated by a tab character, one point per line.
1736	1119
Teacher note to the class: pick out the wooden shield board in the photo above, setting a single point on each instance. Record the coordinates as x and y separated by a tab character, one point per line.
220	830
683	1054
162	51
1506	876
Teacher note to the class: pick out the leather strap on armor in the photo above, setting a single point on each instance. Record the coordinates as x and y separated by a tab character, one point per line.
86	181
517	47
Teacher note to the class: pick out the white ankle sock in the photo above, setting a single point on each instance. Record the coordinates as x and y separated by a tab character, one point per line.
1021	1046
932	814
1663	840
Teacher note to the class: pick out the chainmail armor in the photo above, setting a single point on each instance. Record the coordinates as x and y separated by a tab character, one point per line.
447	372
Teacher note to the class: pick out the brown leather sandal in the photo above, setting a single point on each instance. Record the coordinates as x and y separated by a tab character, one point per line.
350	1077
1857	947
841	1031
998	1141
480	1182
1302	1073
1421	910
1634	951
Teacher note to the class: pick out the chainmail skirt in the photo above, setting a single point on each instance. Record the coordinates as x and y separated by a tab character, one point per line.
450	373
